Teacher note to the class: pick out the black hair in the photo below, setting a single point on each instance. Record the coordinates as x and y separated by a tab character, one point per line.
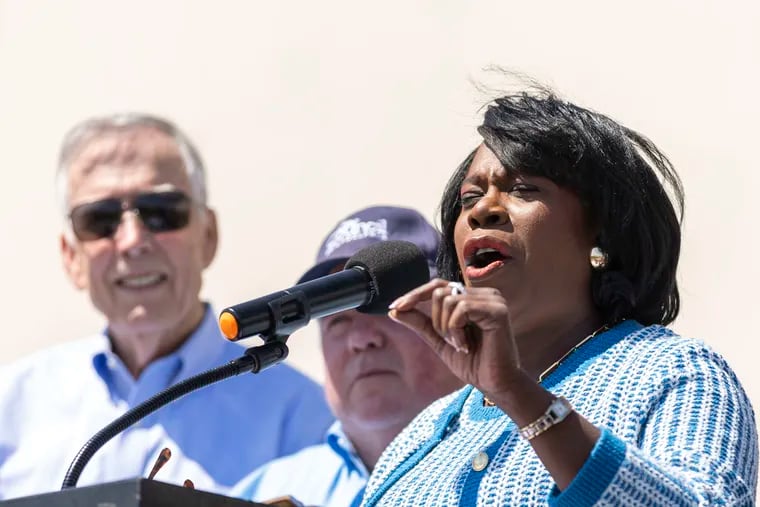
630	191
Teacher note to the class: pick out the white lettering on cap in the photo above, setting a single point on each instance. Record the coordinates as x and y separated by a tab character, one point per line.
353	229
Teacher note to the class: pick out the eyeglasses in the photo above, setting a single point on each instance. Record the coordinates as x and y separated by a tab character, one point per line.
159	211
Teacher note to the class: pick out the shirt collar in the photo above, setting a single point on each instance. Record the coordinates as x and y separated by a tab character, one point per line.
201	350
198	352
342	446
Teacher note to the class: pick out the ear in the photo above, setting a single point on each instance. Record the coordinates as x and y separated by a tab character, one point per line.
72	263
211	234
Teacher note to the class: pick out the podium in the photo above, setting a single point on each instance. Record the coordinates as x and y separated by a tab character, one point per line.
129	493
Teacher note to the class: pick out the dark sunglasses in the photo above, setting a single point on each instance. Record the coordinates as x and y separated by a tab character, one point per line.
159	211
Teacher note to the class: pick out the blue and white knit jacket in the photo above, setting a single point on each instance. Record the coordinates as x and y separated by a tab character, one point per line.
677	429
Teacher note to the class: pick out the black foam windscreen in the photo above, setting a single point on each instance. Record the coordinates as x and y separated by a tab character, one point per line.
395	267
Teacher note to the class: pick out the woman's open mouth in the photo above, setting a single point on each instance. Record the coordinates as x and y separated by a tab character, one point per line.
483	257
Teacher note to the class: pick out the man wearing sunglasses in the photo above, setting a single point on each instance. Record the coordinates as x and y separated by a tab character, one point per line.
138	235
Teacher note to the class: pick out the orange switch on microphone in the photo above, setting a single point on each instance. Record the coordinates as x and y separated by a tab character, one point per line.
229	325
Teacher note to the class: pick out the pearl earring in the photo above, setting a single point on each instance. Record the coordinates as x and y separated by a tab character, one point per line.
598	258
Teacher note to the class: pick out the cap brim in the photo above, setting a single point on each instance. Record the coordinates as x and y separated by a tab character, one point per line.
321	269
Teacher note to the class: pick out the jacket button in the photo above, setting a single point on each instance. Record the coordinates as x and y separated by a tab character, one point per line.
480	461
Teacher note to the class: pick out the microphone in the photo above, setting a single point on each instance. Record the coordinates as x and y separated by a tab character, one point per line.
372	279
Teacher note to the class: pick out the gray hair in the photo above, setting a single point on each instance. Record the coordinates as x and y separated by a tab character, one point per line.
91	128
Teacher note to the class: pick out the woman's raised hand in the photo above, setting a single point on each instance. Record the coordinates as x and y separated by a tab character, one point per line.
468	328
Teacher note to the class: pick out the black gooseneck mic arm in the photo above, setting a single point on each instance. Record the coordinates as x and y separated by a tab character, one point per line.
255	359
373	278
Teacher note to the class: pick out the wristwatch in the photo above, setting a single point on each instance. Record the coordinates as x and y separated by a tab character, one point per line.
558	410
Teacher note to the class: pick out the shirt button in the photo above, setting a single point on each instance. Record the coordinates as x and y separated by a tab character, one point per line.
480	461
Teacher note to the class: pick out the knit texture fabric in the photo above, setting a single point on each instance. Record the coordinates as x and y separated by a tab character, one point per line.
677	429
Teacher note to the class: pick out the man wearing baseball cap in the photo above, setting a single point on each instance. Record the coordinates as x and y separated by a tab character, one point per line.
379	375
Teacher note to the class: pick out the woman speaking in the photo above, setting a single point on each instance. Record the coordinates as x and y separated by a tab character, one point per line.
561	240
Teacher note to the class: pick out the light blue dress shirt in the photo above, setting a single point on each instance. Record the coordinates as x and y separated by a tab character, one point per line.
329	475
52	402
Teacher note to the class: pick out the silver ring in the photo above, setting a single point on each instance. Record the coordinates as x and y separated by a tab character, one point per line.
457	288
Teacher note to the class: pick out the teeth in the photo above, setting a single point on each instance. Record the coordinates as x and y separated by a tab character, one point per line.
137	282
483	256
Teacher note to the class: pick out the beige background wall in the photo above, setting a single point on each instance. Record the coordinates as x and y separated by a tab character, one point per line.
307	110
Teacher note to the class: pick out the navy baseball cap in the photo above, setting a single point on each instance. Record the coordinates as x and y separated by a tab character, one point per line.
372	225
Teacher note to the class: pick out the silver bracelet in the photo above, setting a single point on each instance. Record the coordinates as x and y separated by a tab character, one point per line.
558	410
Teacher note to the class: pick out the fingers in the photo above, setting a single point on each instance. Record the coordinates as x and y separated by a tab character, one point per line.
421	293
460	318
421	324
441	315
443	304
420	320
459	339
438	304
487	313
429	299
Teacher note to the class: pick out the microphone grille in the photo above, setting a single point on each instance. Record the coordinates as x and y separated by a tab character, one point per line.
395	267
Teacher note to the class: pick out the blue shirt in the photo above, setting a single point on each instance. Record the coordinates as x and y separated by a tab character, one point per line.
52	402
329	475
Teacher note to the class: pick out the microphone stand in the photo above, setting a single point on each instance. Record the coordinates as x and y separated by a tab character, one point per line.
254	360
